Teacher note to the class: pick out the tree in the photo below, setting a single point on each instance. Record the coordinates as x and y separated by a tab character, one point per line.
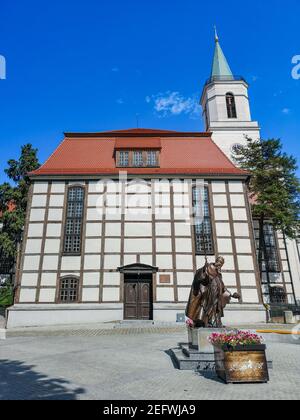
274	187
13	200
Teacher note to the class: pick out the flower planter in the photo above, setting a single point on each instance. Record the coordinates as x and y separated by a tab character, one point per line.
242	364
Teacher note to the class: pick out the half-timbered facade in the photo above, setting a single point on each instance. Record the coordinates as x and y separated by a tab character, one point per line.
118	223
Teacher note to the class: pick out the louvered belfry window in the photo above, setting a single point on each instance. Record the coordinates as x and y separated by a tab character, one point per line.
231	106
74	218
203	224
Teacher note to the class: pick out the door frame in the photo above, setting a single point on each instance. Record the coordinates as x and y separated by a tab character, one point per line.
137	270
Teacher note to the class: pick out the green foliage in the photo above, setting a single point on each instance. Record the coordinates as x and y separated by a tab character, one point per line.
6	296
14	220
274	186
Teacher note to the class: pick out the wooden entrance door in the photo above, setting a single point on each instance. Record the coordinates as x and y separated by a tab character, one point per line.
138	300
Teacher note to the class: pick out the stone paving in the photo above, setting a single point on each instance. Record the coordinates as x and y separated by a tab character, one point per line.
126	364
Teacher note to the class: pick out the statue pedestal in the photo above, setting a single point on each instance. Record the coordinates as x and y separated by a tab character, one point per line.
198	354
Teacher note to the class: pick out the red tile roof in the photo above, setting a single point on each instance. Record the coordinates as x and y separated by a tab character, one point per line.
181	154
138	143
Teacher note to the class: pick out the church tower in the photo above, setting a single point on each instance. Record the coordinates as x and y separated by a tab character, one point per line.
226	107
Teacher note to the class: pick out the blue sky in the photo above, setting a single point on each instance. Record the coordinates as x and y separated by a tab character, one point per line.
93	65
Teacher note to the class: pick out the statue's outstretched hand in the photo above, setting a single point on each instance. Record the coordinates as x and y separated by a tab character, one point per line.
236	296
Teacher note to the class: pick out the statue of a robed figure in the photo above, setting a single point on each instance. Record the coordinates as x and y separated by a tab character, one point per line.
209	296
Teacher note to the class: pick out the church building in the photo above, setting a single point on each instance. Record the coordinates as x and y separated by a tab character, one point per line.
118	222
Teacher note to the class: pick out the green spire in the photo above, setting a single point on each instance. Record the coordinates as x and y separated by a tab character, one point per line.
220	65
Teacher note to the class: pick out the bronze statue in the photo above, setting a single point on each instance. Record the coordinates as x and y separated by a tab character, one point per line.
209	296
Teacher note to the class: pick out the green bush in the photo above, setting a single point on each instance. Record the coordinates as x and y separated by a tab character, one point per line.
6	296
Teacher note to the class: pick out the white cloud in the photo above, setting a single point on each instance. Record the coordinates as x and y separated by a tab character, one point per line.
174	104
286	111
115	69
120	101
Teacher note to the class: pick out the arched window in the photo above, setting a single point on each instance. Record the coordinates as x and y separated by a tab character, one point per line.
278	295
69	290
231	106
74	218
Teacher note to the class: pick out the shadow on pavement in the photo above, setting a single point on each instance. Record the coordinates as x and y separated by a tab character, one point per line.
19	381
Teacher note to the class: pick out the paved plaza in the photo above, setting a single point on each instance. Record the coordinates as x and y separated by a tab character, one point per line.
126	364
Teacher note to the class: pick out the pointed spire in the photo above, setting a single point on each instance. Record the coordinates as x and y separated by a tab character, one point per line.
216	34
221	68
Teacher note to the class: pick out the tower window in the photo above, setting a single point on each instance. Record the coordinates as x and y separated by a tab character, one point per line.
231	106
73	227
203	225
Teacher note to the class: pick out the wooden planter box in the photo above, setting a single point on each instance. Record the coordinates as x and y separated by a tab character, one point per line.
242	364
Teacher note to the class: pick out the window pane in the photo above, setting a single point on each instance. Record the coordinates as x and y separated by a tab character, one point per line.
138	159
68	292
152	159
75	207
270	249
203	225
124	159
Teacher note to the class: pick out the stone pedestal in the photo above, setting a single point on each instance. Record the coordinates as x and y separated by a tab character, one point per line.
198	354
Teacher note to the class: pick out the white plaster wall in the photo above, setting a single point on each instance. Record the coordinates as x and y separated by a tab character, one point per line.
58	187
35	230
91	279
27	295
93	246
55	215
37	215
138	245
50	263
70	263
112	262
33	246
92	262
138	229
243	246
56	200
29	279
52	246
218	187
90	295
40	187
163	229
185	279
47	295
53	229
94	229
31	263
49	279
165	294
111	279
39	201
111	294
164	262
